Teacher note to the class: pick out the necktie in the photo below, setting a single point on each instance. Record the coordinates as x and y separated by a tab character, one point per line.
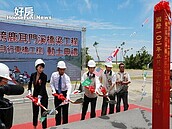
60	84
90	76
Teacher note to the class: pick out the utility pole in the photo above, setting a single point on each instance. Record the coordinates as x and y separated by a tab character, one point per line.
95	45
122	44
83	48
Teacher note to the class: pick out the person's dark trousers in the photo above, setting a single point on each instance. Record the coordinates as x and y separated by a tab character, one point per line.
85	107
6	115
105	105
2	125
124	97
44	102
62	110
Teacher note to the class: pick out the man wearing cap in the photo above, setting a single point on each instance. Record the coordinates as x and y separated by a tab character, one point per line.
122	81
6	107
108	80
60	84
6	116
90	95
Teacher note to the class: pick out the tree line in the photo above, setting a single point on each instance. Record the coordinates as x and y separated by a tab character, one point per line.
141	60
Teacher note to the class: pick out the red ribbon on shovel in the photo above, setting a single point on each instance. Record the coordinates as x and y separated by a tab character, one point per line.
35	101
59	96
90	88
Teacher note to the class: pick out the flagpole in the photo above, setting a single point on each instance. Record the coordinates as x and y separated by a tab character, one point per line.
123	43
116	57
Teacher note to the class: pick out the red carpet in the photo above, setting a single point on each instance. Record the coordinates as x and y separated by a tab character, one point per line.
72	118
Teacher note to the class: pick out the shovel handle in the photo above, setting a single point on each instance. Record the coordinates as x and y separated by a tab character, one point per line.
108	98
32	99
43	107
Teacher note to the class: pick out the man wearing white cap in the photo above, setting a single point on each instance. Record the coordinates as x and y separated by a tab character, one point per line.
5	122
60	84
108	80
6	106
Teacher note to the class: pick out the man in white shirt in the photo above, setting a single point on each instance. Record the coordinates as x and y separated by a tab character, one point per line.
90	96
122	81
60	84
108	80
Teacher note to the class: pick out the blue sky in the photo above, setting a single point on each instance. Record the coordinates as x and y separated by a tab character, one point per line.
108	22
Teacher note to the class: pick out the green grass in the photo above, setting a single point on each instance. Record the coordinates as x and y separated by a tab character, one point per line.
134	78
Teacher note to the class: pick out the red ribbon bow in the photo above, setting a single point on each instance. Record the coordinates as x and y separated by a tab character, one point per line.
103	90
59	96
91	88
33	99
162	5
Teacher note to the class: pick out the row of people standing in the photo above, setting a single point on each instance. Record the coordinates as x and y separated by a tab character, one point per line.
60	84
116	84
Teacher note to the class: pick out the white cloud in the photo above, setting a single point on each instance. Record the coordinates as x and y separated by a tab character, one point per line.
107	45
85	6
88	4
47	8
5	4
91	25
105	25
148	7
117	34
63	4
124	4
95	25
37	4
4	14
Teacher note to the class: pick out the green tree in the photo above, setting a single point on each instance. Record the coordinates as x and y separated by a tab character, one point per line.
139	61
86	56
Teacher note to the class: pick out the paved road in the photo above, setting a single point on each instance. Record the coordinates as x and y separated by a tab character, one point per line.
23	110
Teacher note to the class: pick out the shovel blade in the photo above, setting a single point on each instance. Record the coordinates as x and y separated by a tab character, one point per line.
49	112
80	100
53	112
42	119
111	102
